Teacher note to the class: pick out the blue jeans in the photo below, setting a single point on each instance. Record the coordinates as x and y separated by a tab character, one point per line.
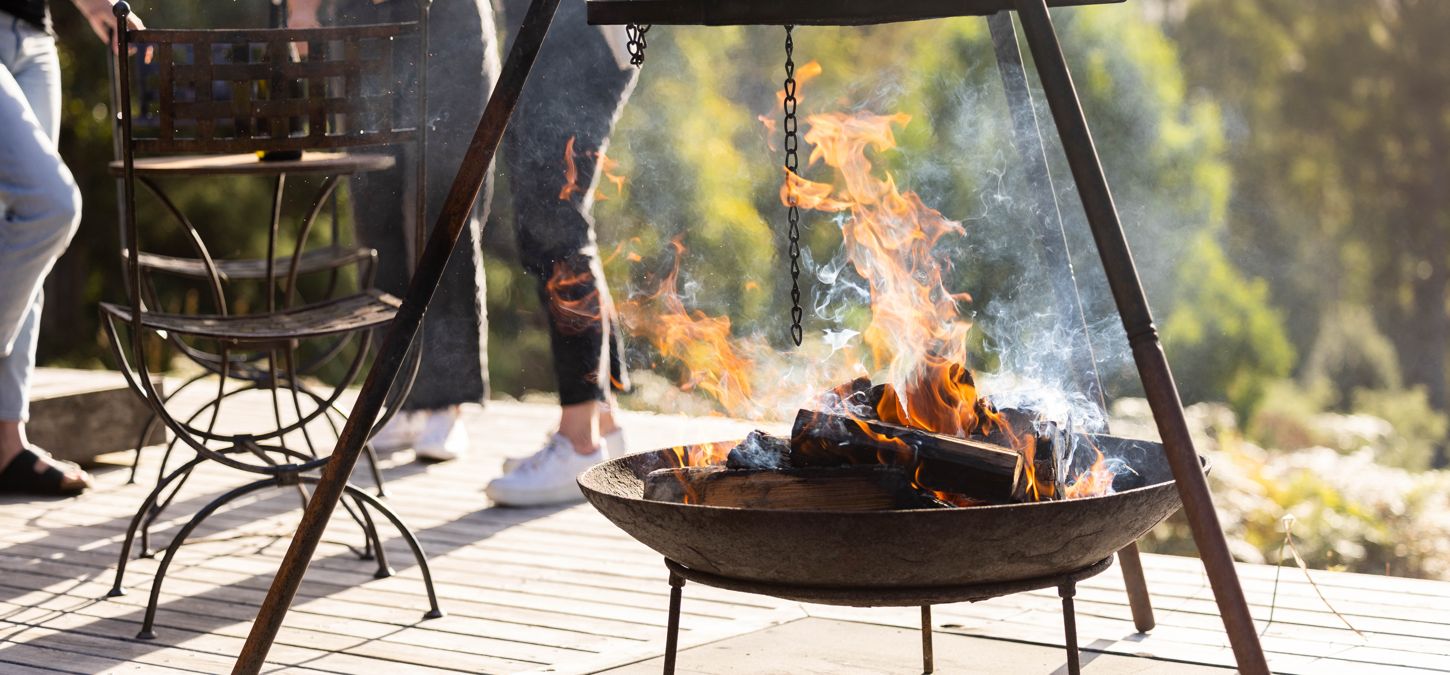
39	203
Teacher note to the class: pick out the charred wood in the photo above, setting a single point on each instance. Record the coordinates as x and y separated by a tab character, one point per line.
969	467
759	450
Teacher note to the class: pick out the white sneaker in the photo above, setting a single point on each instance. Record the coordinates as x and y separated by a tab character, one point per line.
614	448
399	433
545	478
441	436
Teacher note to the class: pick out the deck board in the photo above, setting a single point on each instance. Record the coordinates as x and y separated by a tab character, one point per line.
562	590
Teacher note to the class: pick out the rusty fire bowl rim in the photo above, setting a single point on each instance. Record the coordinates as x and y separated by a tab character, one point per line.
889	549
586	479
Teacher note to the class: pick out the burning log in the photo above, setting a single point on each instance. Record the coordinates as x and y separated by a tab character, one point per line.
970	467
1042	444
759	450
848	488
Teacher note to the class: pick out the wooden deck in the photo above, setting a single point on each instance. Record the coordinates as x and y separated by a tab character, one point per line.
562	590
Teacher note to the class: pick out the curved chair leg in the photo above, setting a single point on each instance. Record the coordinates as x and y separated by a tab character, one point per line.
117	588
160	505
148	623
377	472
375	543
434	611
146	432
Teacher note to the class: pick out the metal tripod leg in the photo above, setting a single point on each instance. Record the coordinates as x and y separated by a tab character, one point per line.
429	272
1057	259
1153	370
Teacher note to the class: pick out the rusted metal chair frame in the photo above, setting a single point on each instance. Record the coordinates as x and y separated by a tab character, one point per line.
1093	191
337	118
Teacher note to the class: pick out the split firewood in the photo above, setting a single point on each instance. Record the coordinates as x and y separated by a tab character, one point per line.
847	488
1042	443
973	468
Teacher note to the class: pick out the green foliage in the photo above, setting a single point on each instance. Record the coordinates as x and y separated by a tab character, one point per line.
1341	151
1285	417
1418	428
1226	339
1351	353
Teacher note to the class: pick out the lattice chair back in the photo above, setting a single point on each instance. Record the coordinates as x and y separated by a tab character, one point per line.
271	89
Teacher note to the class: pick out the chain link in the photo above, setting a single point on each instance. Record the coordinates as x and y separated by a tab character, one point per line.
792	165
637	42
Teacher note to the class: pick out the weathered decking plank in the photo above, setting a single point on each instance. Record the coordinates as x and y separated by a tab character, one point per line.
561	589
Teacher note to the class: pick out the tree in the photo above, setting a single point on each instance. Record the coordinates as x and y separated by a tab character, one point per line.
1341	150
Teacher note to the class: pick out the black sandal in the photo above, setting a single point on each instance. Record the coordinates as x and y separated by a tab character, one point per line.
20	477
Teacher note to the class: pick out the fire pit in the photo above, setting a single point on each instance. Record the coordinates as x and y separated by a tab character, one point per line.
898	557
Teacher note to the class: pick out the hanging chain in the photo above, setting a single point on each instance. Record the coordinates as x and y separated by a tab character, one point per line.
637	42
792	165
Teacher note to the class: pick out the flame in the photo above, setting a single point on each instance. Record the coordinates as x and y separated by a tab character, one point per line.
607	167
1097	480
573	299
701	454
571	173
701	343
916	334
804	73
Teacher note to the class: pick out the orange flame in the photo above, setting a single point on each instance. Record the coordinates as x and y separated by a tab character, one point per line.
701	343
571	173
573	299
1095	481
804	73
607	167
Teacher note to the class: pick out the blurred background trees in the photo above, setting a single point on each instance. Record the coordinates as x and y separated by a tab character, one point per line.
1282	169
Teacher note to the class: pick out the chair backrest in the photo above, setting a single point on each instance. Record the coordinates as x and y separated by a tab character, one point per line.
246	90
216	91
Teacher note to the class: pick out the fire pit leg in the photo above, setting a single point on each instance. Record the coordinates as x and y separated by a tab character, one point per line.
1153	370
928	665
672	638
1069	623
1053	244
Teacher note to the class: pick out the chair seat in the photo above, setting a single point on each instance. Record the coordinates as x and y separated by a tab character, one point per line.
318	259
355	312
333	163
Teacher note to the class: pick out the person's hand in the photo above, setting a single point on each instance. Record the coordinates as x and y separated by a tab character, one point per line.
103	19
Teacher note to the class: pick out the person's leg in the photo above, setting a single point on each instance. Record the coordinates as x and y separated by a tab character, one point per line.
463	65
575	95
39	213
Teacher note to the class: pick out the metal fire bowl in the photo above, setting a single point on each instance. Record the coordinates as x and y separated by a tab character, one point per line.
919	549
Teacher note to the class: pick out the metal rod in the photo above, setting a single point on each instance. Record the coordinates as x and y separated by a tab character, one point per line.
1137	585
672	634
455	211
1102	215
928	660
1057	254
1069	627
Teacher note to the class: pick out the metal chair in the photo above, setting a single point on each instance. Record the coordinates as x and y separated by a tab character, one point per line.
217	103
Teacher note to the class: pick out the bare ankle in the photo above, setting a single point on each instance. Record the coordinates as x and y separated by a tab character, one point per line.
12	440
